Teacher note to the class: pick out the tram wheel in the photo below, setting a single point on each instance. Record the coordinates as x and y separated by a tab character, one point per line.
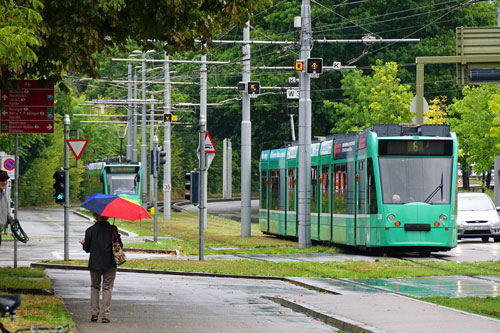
485	239
496	239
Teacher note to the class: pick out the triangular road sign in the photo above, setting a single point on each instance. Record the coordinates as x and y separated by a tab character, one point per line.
77	146
209	145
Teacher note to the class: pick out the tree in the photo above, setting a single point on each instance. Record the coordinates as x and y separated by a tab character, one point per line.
19	35
377	99
474	117
438	111
65	35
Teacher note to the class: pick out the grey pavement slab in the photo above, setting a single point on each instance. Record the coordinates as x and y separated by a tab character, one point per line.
393	313
163	303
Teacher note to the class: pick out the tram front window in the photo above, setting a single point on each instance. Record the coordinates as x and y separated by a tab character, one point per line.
122	184
416	179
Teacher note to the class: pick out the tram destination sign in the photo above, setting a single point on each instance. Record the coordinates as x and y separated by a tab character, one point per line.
29	109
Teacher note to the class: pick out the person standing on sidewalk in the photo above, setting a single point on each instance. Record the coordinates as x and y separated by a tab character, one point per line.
102	266
5	216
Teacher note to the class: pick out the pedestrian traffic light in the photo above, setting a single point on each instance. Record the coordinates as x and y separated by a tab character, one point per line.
193	187
59	186
253	88
315	65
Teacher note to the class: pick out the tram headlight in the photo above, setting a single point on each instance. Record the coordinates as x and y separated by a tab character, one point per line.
443	218
391	218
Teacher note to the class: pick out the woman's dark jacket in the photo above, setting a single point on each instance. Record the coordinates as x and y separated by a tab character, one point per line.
98	242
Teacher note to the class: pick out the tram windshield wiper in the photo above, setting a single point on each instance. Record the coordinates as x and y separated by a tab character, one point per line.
439	187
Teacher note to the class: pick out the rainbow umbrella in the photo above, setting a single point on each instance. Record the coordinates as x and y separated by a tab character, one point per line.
115	206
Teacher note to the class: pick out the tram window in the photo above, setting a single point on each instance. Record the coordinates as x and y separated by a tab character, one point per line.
121	184
339	197
314	189
291	189
416	179
274	190
263	190
372	190
325	189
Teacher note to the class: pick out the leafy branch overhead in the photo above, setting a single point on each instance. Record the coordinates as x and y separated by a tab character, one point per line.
64	35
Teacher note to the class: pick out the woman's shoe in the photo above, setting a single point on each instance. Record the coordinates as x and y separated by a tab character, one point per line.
105	320
94	318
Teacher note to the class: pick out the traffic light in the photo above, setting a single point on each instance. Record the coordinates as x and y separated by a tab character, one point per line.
253	88
315	65
168	117
160	159
299	65
59	182
193	187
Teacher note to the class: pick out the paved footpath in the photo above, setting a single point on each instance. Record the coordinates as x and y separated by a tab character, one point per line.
343	305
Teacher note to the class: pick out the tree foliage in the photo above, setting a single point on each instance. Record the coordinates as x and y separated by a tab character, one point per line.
377	99
19	35
64	35
473	120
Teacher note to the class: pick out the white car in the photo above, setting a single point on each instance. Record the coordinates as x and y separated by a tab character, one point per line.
477	217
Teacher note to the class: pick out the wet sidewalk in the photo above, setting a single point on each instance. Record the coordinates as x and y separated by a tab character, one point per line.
378	305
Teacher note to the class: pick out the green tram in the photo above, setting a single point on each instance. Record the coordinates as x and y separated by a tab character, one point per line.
389	187
112	177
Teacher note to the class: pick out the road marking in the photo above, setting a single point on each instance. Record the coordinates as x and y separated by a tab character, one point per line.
57	255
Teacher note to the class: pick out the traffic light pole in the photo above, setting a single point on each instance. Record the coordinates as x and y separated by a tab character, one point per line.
155	187
304	169
66	122
167	186
246	143
202	213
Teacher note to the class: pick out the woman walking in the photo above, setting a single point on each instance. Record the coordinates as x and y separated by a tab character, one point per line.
102	266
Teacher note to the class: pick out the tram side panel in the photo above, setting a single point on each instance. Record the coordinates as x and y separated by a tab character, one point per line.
291	219
264	192
324	232
277	185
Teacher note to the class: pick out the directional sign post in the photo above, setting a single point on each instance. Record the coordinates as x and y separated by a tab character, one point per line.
77	146
28	110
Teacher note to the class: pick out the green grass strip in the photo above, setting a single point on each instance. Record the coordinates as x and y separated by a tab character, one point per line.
489	306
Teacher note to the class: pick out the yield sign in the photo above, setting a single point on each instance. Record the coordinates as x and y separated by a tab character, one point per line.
209	145
77	146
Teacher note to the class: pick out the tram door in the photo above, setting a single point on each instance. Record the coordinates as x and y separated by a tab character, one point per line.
264	202
291	222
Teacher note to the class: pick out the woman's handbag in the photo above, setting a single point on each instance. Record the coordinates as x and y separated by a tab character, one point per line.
117	249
